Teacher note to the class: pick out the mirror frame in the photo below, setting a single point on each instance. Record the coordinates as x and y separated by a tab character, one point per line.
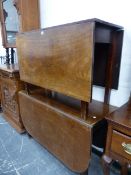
3	28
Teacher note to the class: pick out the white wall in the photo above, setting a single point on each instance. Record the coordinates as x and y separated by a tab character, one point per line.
55	12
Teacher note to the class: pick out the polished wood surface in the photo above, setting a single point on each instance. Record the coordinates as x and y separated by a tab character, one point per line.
122	116
69	54
119	132
97	110
57	128
116	144
29	14
63	61
10	85
115	51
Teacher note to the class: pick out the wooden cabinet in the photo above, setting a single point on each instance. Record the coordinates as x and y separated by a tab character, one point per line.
118	146
10	86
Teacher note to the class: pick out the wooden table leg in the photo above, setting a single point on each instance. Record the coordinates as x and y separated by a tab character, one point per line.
124	170
85	173
106	161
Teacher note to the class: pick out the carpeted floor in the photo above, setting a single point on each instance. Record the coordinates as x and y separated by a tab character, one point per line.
22	155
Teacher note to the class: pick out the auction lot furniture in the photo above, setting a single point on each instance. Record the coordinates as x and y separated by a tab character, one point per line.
118	146
66	61
15	16
10	85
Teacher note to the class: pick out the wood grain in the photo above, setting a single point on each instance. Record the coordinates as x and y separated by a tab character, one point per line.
59	58
117	116
62	133
116	144
119	131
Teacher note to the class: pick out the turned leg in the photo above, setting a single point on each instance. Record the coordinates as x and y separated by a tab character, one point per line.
124	170
106	162
85	173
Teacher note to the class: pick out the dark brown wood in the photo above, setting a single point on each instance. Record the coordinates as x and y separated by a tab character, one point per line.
65	52
49	126
110	63
85	173
124	170
59	130
122	117
117	62
63	64
106	162
116	143
113	61
119	132
111	37
27	88
10	85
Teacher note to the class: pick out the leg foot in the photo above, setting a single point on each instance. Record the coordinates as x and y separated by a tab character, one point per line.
106	161
124	170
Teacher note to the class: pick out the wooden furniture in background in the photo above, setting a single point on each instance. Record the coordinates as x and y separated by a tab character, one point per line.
10	86
60	128
95	36
29	19
118	146
66	120
29	14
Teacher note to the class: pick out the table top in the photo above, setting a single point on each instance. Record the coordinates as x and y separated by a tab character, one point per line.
122	116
